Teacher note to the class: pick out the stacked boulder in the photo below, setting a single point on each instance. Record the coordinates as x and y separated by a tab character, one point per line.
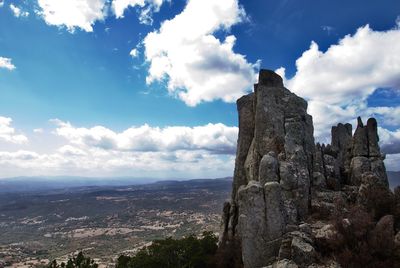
281	177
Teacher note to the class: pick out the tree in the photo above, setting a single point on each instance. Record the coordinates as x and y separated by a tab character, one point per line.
80	261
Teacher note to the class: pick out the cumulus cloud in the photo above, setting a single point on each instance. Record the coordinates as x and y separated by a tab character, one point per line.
18	12
338	82
214	138
6	64
147	8
1	3
8	133
389	141
389	115
69	150
197	65
202	151
73	14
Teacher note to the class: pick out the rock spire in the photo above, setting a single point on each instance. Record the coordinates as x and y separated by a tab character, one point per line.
281	176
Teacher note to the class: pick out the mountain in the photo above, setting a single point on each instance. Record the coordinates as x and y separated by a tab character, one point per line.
32	184
40	184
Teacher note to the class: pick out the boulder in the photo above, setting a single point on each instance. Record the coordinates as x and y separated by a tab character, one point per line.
269	168
303	253
325	236
252	226
274	210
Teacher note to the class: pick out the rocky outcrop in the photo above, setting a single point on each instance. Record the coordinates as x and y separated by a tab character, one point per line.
365	153
273	169
281	177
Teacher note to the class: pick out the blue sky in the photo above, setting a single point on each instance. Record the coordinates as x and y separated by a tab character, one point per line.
147	87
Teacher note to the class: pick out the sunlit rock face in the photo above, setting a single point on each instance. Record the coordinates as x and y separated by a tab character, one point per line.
281	176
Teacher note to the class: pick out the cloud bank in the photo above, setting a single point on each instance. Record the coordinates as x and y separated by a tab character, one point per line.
174	151
213	138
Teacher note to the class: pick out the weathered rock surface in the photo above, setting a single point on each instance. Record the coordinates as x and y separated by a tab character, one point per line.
366	155
281	177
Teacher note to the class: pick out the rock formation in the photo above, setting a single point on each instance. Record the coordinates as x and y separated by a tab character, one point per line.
281	177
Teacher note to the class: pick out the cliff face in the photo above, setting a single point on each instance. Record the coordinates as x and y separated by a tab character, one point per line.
281	177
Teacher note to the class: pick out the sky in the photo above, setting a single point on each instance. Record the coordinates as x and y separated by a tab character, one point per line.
147	88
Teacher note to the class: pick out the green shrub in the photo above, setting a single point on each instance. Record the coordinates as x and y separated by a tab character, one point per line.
188	252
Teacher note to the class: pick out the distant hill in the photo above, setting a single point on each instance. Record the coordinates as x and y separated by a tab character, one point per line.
40	184
394	178
33	184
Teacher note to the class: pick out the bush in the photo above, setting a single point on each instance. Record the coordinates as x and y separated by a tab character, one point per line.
188	252
357	241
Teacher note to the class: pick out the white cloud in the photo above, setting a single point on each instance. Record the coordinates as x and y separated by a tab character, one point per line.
73	14
69	150
8	133
18	12
351	70
388	115
338	82
389	141
134	53
198	66
6	63
38	130
147	8
68	161
202	151
1	3
214	138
